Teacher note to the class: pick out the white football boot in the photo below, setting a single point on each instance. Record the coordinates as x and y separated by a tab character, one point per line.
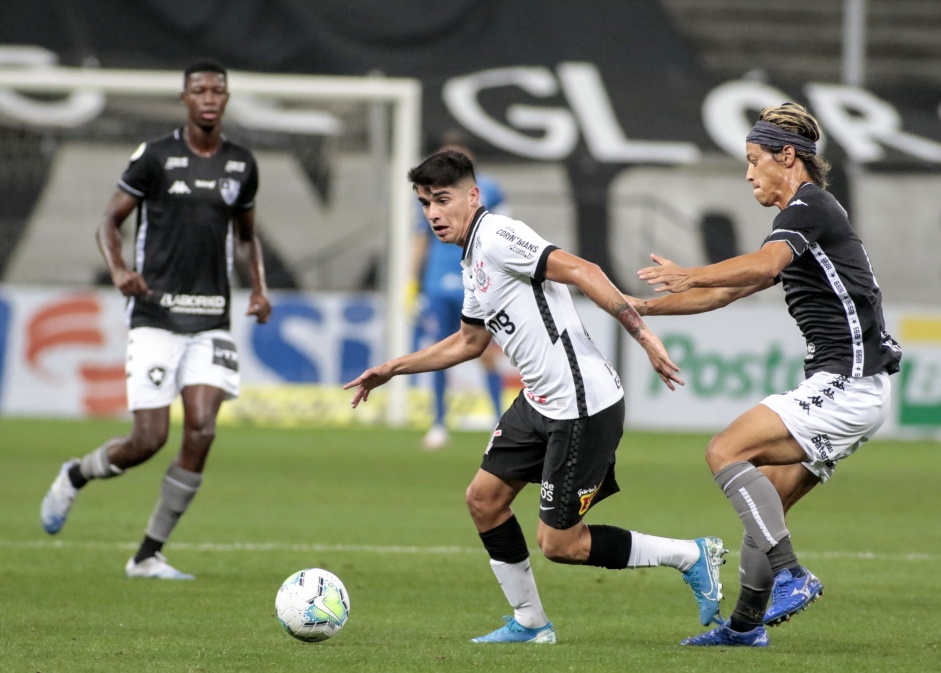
155	567
57	503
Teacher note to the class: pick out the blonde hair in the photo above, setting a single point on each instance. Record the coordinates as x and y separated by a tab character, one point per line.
794	117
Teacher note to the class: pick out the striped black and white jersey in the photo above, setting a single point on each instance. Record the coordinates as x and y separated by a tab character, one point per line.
183	243
533	319
831	290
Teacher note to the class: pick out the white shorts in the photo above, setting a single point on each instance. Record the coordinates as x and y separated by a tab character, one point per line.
160	364
831	416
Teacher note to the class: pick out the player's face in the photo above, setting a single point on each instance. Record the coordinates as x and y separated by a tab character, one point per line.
450	210
205	97
765	173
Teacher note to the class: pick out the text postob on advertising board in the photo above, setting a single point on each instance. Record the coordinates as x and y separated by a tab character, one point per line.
733	358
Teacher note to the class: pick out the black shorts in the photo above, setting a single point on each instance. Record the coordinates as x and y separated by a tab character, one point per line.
573	460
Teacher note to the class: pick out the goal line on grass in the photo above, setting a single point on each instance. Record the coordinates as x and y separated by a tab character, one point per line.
219	547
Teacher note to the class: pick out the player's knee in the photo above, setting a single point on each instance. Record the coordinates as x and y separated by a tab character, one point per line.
146	442
555	547
202	431
556	550
486	510
477	504
720	453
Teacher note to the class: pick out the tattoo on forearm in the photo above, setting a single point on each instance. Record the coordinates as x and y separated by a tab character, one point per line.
629	318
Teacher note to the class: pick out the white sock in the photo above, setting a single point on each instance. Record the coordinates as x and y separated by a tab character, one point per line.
519	587
648	551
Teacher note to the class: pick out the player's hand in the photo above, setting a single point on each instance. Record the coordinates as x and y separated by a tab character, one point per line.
260	307
130	283
660	360
369	379
669	276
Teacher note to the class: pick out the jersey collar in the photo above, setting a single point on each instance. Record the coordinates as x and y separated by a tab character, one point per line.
478	216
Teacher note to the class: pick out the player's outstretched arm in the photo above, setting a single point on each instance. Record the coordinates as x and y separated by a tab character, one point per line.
697	300
692	290
563	267
758	268
108	235
465	344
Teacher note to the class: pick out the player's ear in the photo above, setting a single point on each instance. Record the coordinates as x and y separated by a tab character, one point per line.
475	196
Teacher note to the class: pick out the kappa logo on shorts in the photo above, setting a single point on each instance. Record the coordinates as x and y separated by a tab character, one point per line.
224	354
839	383
812	401
157	375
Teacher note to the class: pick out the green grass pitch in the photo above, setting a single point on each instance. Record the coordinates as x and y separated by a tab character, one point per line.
389	519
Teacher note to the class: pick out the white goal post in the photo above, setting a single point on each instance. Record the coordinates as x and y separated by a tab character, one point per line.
402	95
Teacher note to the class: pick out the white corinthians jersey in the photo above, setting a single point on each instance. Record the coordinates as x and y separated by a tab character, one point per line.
533	319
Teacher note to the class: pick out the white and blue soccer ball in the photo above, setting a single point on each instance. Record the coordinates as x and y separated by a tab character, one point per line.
312	605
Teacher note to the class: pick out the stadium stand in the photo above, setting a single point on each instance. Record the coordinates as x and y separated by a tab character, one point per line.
735	36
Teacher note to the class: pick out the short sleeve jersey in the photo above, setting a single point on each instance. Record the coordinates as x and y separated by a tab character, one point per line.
442	275
533	319
184	238
831	290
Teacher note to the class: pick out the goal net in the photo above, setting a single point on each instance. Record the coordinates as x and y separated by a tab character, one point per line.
335	211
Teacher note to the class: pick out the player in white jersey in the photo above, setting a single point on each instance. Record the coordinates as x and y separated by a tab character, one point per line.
563	429
774	454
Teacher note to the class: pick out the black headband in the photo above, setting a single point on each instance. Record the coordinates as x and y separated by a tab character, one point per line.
766	133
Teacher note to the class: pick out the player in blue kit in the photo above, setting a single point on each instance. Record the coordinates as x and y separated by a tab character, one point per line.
774	454
194	192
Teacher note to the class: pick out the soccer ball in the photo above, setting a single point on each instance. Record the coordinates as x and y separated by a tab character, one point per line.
312	605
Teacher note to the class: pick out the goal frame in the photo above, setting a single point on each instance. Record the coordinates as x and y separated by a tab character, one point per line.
403	95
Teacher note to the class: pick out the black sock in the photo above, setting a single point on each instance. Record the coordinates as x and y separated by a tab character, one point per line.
506	543
750	609
76	477
610	547
149	547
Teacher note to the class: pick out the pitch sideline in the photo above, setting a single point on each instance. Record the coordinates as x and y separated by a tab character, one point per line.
217	547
